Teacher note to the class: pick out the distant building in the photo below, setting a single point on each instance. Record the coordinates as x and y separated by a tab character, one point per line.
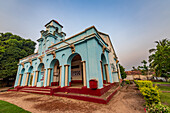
131	75
88	55
133	72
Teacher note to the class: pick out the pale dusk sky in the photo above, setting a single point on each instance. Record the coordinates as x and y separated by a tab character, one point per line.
133	25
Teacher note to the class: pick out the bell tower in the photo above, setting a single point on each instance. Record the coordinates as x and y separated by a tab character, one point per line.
53	34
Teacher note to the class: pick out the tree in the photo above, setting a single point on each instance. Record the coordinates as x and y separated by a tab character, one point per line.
122	71
144	68
13	48
134	69
160	58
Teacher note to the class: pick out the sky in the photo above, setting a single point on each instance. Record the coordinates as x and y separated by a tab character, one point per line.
133	25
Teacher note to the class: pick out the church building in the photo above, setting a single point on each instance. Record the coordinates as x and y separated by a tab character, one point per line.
85	60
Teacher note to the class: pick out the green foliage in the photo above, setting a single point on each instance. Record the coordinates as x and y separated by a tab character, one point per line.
160	58
135	81
6	107
134	69
144	68
127	81
144	83
122	71
157	108
151	95
13	48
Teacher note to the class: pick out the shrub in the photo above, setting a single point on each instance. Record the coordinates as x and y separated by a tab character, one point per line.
151	95
135	81
157	108
144	83
127	81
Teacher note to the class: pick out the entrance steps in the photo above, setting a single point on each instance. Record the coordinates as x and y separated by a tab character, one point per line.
101	96
103	99
38	90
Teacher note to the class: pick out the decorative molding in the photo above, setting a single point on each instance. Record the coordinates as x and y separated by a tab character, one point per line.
30	61
117	61
104	48
72	48
41	58
22	64
54	54
83	61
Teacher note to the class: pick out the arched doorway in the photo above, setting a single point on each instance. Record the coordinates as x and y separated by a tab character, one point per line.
21	77
55	72
30	78
76	71
103	69
41	74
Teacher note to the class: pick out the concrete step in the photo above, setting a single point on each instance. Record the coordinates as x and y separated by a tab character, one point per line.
109	92
36	91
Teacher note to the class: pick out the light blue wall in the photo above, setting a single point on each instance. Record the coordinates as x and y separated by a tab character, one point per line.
89	48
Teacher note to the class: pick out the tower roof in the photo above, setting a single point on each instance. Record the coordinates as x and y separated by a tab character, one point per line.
55	22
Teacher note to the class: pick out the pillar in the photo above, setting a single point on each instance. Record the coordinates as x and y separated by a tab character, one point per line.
66	75
19	81
26	82
49	76
44	77
107	72
36	77
60	75
84	73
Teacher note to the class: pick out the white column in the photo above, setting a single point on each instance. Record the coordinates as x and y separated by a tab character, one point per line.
60	75
26	82
36	78
19	80
66	75
48	79
84	73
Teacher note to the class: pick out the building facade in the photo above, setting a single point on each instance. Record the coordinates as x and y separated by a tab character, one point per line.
88	55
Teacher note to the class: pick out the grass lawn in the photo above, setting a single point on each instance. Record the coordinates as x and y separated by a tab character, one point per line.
161	82
165	98
6	107
164	88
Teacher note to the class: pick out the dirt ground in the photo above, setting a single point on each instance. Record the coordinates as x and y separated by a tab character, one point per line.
127	100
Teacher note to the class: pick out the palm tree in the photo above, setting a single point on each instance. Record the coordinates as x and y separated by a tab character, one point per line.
160	58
